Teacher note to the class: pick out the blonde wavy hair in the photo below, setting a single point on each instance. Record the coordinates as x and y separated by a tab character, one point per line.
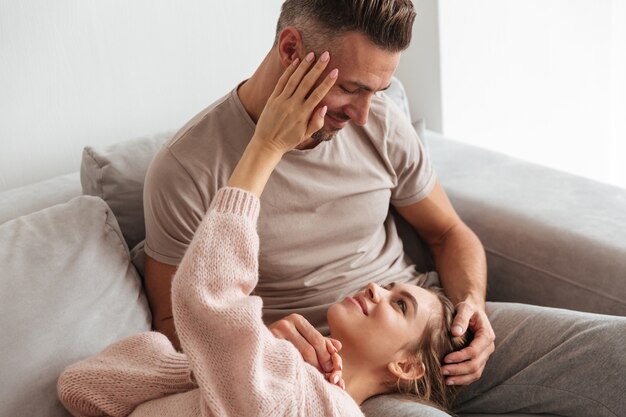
437	342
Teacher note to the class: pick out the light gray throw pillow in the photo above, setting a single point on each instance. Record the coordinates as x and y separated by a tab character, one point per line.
67	290
116	174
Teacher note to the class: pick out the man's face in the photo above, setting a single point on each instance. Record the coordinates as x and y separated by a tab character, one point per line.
364	69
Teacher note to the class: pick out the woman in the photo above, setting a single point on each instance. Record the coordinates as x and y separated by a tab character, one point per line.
392	338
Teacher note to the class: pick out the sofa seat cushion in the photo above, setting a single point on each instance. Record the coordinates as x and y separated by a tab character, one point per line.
67	290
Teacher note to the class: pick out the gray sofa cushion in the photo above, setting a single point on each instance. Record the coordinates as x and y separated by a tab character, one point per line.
67	291
551	238
31	198
116	174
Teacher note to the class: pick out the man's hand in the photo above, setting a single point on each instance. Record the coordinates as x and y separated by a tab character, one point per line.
317	350
467	365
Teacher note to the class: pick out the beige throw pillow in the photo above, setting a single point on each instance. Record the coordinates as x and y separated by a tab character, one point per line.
67	290
116	174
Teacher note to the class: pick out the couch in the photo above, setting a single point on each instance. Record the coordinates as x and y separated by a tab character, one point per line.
71	253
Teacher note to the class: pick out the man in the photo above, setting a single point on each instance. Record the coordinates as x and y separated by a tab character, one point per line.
335	233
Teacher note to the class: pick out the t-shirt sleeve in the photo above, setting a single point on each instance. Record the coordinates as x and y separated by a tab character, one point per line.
173	208
415	176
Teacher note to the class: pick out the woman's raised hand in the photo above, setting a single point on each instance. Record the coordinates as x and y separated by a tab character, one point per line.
292	113
290	116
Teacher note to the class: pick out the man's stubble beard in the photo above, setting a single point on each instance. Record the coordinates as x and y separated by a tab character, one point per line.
325	134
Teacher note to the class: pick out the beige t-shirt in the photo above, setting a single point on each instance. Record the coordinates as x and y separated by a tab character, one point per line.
325	226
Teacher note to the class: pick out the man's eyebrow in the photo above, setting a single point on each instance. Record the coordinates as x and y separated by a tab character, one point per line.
367	88
406	294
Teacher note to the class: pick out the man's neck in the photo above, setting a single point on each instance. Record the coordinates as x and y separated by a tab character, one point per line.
255	92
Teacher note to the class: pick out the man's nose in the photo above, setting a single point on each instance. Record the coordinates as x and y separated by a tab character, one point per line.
359	109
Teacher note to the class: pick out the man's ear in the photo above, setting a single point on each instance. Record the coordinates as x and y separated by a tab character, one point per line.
405	370
290	45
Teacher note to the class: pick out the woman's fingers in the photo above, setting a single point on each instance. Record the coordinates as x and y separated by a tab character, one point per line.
336	378
337	361
294	111
335	343
312	77
282	81
310	343
294	81
316	122
315	98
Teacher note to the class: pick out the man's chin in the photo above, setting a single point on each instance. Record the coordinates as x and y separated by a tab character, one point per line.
324	135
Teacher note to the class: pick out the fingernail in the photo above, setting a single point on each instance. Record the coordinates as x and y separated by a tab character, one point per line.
343	385
323	111
333	73
295	62
458	329
309	57
446	372
329	366
335	379
449	382
325	56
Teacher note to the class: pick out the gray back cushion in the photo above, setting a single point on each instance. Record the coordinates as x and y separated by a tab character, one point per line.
116	174
67	290
34	197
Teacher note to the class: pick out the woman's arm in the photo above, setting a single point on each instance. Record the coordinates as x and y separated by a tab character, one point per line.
241	369
130	372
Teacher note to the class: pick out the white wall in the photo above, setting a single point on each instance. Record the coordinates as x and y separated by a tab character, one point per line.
542	80
419	68
78	72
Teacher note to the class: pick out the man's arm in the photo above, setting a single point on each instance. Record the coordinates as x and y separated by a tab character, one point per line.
460	261
158	283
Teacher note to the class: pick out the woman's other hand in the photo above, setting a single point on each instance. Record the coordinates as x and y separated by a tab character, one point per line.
317	350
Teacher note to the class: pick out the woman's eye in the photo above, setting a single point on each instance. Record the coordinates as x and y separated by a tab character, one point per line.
402	305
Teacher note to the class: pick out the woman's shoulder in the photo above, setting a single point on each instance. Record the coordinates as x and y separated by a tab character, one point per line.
320	397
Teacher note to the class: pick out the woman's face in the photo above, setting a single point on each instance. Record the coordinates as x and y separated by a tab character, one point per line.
381	324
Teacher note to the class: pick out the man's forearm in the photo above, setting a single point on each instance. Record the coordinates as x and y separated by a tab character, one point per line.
461	264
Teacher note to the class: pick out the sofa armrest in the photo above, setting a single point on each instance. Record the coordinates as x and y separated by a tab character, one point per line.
551	238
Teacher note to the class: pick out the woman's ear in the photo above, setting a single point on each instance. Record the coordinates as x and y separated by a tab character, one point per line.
407	370
290	45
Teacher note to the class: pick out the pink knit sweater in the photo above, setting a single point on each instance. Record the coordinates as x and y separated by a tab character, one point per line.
233	365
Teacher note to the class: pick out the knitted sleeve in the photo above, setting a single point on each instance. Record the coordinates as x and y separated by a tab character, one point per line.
130	372
240	367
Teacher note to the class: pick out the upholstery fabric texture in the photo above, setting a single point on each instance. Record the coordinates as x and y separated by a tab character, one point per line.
548	240
67	291
31	198
116	174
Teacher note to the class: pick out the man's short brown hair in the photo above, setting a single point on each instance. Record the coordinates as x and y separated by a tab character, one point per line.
387	23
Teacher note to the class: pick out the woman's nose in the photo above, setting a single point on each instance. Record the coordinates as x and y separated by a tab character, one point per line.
371	292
